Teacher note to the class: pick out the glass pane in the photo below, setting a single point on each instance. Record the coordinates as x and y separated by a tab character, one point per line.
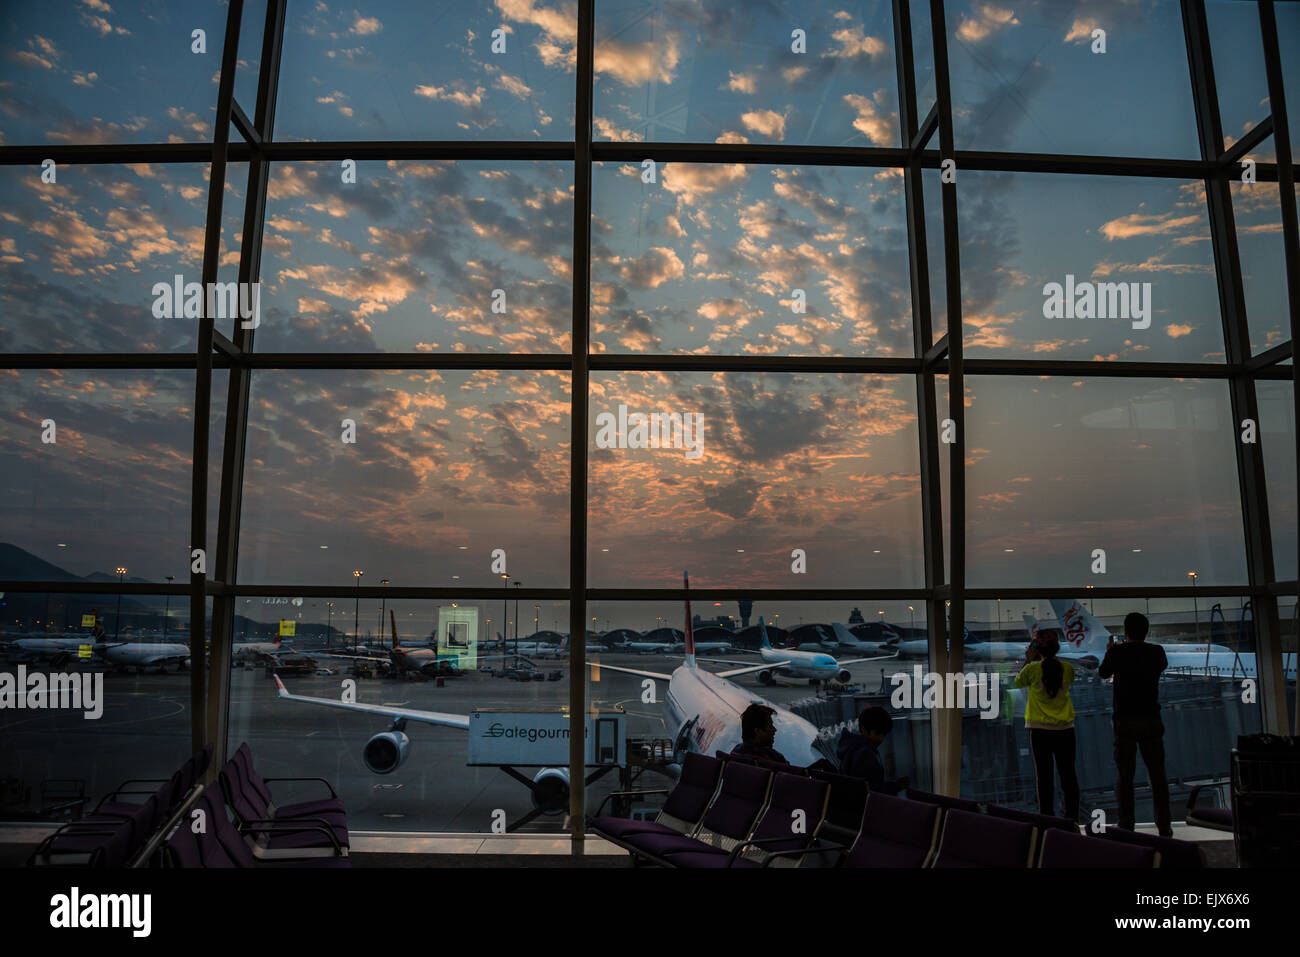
1142	470
1278	440
754	468
1239	73
126	73
435	472
112	487
382	70
1200	700
448	660
699	709
79	257
750	260
1075	267
735	73
132	716
1027	79
1258	217
418	257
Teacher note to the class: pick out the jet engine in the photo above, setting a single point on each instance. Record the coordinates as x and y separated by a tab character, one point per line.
386	751
844	677
551	794
765	677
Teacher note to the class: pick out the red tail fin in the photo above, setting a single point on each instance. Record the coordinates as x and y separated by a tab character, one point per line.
690	632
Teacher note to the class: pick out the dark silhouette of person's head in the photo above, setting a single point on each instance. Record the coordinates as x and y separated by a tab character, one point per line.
874	724
1136	626
756	726
1053	674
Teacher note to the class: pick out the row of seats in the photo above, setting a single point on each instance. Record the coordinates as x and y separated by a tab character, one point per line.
306	834
120	828
735	812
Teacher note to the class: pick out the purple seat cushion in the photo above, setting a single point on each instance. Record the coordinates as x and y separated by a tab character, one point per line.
715	859
617	827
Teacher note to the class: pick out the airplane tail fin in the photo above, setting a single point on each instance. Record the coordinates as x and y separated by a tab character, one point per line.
392	617
762	634
1083	633
689	631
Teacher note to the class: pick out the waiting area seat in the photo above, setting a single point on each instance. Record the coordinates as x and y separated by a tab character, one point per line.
730	811
120	828
217	843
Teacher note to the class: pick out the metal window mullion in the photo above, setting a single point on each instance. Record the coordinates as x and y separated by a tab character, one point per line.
1290	245
579	387
230	507
1236	335
947	764
922	341
203	379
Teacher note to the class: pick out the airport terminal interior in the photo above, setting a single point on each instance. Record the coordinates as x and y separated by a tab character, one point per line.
428	429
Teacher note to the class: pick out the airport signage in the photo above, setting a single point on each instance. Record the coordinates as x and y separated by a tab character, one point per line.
541	738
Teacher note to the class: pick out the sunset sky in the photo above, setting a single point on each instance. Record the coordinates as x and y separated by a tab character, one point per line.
449	465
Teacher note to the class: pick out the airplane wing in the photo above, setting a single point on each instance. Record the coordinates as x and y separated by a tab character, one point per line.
750	669
855	661
410	714
632	671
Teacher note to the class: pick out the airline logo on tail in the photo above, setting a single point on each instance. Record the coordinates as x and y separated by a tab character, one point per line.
1084	633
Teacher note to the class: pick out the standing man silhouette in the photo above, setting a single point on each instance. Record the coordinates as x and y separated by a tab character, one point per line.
1136	668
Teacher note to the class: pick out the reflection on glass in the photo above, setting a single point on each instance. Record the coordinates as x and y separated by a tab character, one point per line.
784	480
750	260
431	470
1142	470
813	73
477	671
418	257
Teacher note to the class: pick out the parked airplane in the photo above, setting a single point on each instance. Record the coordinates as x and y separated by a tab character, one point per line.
1089	638
57	650
794	663
842	640
704	708
144	654
388	750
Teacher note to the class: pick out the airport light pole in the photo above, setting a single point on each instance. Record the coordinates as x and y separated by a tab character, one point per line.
505	614
1196	613
383	607
329	623
999	616
117	616
911	618
167	607
356	611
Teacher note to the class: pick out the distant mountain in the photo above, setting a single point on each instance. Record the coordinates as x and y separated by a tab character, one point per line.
16	564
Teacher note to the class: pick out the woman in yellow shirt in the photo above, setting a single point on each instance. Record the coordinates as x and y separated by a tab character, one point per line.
1049	716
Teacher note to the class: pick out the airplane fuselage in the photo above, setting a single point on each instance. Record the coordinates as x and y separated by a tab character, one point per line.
718	704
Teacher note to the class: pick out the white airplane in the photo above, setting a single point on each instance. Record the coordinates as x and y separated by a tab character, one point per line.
59	650
973	649
388	750
1088	638
247	650
793	663
842	640
144	654
704	708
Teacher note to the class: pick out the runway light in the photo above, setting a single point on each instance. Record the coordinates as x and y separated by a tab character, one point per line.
62	545
1008	549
